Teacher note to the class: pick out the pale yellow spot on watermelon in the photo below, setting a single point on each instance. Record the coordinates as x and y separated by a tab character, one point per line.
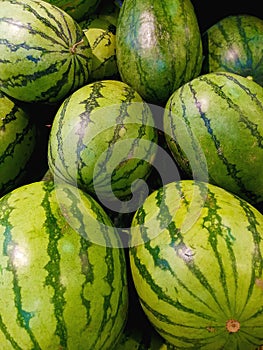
259	283
122	131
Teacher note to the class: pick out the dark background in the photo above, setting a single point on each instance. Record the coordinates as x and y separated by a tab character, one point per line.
208	13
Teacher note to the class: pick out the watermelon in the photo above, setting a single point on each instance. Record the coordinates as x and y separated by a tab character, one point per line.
234	44
197	266
103	140
49	59
214	128
59	288
18	141
77	9
101	35
158	46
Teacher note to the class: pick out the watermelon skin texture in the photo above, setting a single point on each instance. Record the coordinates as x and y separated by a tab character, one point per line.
18	142
50	57
214	128
158	46
59	290
196	262
103	139
234	44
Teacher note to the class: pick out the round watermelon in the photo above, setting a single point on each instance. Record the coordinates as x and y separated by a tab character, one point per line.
234	44
44	53
214	128
18	139
158	46
196	257
59	289
103	140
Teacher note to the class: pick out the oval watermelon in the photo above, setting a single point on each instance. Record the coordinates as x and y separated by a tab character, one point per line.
59	290
196	258
234	44
103	139
17	143
49	59
158	46
214	124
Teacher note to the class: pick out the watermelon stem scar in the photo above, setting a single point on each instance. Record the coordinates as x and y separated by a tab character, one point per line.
73	48
232	326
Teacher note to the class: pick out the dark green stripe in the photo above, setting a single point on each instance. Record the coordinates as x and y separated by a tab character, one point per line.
91	103
106	312
87	270
57	153
257	263
53	266
7	335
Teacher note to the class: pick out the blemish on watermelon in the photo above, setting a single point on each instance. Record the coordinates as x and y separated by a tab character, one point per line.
232	326
211	329
259	283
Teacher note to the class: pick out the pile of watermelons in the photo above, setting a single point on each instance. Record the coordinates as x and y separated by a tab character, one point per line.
131	163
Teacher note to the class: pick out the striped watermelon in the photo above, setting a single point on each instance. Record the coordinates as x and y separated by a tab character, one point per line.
158	46
197	265
103	140
17	143
101	35
214	126
77	9
234	44
59	289
50	57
